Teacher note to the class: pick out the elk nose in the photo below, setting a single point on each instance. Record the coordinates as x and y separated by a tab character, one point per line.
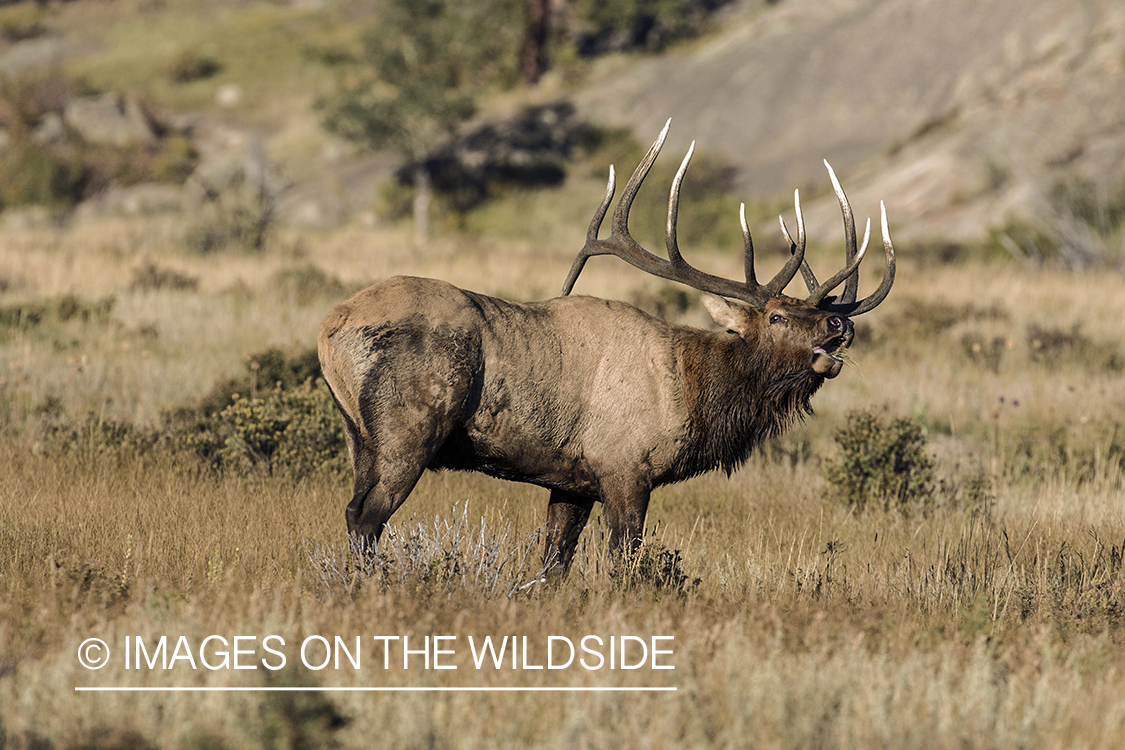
835	324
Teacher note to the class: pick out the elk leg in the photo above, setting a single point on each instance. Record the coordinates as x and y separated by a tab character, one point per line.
407	420
378	497
386	469
566	517
623	508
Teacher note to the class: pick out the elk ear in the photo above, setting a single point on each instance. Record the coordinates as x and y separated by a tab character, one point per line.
727	314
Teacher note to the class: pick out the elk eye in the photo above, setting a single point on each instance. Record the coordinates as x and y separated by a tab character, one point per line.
778	319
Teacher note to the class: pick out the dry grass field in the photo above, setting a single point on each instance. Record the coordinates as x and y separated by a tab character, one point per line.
986	614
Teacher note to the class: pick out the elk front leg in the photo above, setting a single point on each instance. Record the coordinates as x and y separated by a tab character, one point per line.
566	517
624	505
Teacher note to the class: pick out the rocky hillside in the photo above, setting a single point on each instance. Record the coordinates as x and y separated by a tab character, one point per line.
961	115
958	113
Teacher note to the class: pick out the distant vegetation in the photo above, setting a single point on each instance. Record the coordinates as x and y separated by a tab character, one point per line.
1081	226
649	25
48	161
936	559
944	534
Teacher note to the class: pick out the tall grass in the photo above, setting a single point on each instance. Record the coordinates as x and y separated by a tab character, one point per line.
803	623
989	617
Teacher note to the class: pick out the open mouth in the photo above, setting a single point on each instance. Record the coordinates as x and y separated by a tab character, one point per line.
830	354
828	358
832	350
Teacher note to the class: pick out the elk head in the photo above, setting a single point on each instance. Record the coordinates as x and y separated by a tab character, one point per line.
807	334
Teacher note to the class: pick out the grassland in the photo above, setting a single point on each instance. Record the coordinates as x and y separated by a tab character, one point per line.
988	616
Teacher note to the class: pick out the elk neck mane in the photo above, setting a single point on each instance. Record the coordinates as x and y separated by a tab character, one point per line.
739	393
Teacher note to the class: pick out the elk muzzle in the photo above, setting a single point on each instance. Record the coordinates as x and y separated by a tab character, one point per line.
838	332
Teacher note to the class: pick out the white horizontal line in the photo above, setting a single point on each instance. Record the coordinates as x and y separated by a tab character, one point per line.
374	689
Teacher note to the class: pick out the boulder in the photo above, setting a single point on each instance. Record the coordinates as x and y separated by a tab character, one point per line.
109	119
30	56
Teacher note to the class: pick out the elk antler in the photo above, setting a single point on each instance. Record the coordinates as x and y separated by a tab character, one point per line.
846	304
622	244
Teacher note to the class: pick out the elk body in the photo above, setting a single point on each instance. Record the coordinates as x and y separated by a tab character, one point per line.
593	399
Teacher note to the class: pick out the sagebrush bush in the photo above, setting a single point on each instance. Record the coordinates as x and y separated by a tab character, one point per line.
306	283
881	464
439	556
655	568
236	209
277	418
151	276
293	431
191	65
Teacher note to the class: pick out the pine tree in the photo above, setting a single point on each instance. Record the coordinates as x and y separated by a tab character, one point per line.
417	76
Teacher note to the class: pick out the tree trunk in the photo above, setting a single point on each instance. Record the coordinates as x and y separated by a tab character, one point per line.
421	203
533	54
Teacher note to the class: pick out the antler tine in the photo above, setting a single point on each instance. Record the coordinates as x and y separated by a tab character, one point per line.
622	244
806	270
847	272
599	215
621	213
591	235
674	210
880	294
619	240
852	285
869	303
789	270
748	248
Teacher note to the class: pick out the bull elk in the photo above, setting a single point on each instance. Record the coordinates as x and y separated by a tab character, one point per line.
591	398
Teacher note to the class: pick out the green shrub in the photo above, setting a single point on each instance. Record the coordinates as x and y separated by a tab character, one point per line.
57	319
34	174
277	417
305	284
190	66
881	464
266	369
293	431
174	161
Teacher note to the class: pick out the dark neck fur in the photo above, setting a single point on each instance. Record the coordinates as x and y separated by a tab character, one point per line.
738	394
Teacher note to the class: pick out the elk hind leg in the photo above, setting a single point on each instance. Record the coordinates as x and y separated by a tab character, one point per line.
364	461
386	470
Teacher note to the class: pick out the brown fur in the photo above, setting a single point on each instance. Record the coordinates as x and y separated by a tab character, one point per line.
593	399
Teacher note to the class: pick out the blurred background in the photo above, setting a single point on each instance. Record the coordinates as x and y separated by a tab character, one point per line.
934	559
996	129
